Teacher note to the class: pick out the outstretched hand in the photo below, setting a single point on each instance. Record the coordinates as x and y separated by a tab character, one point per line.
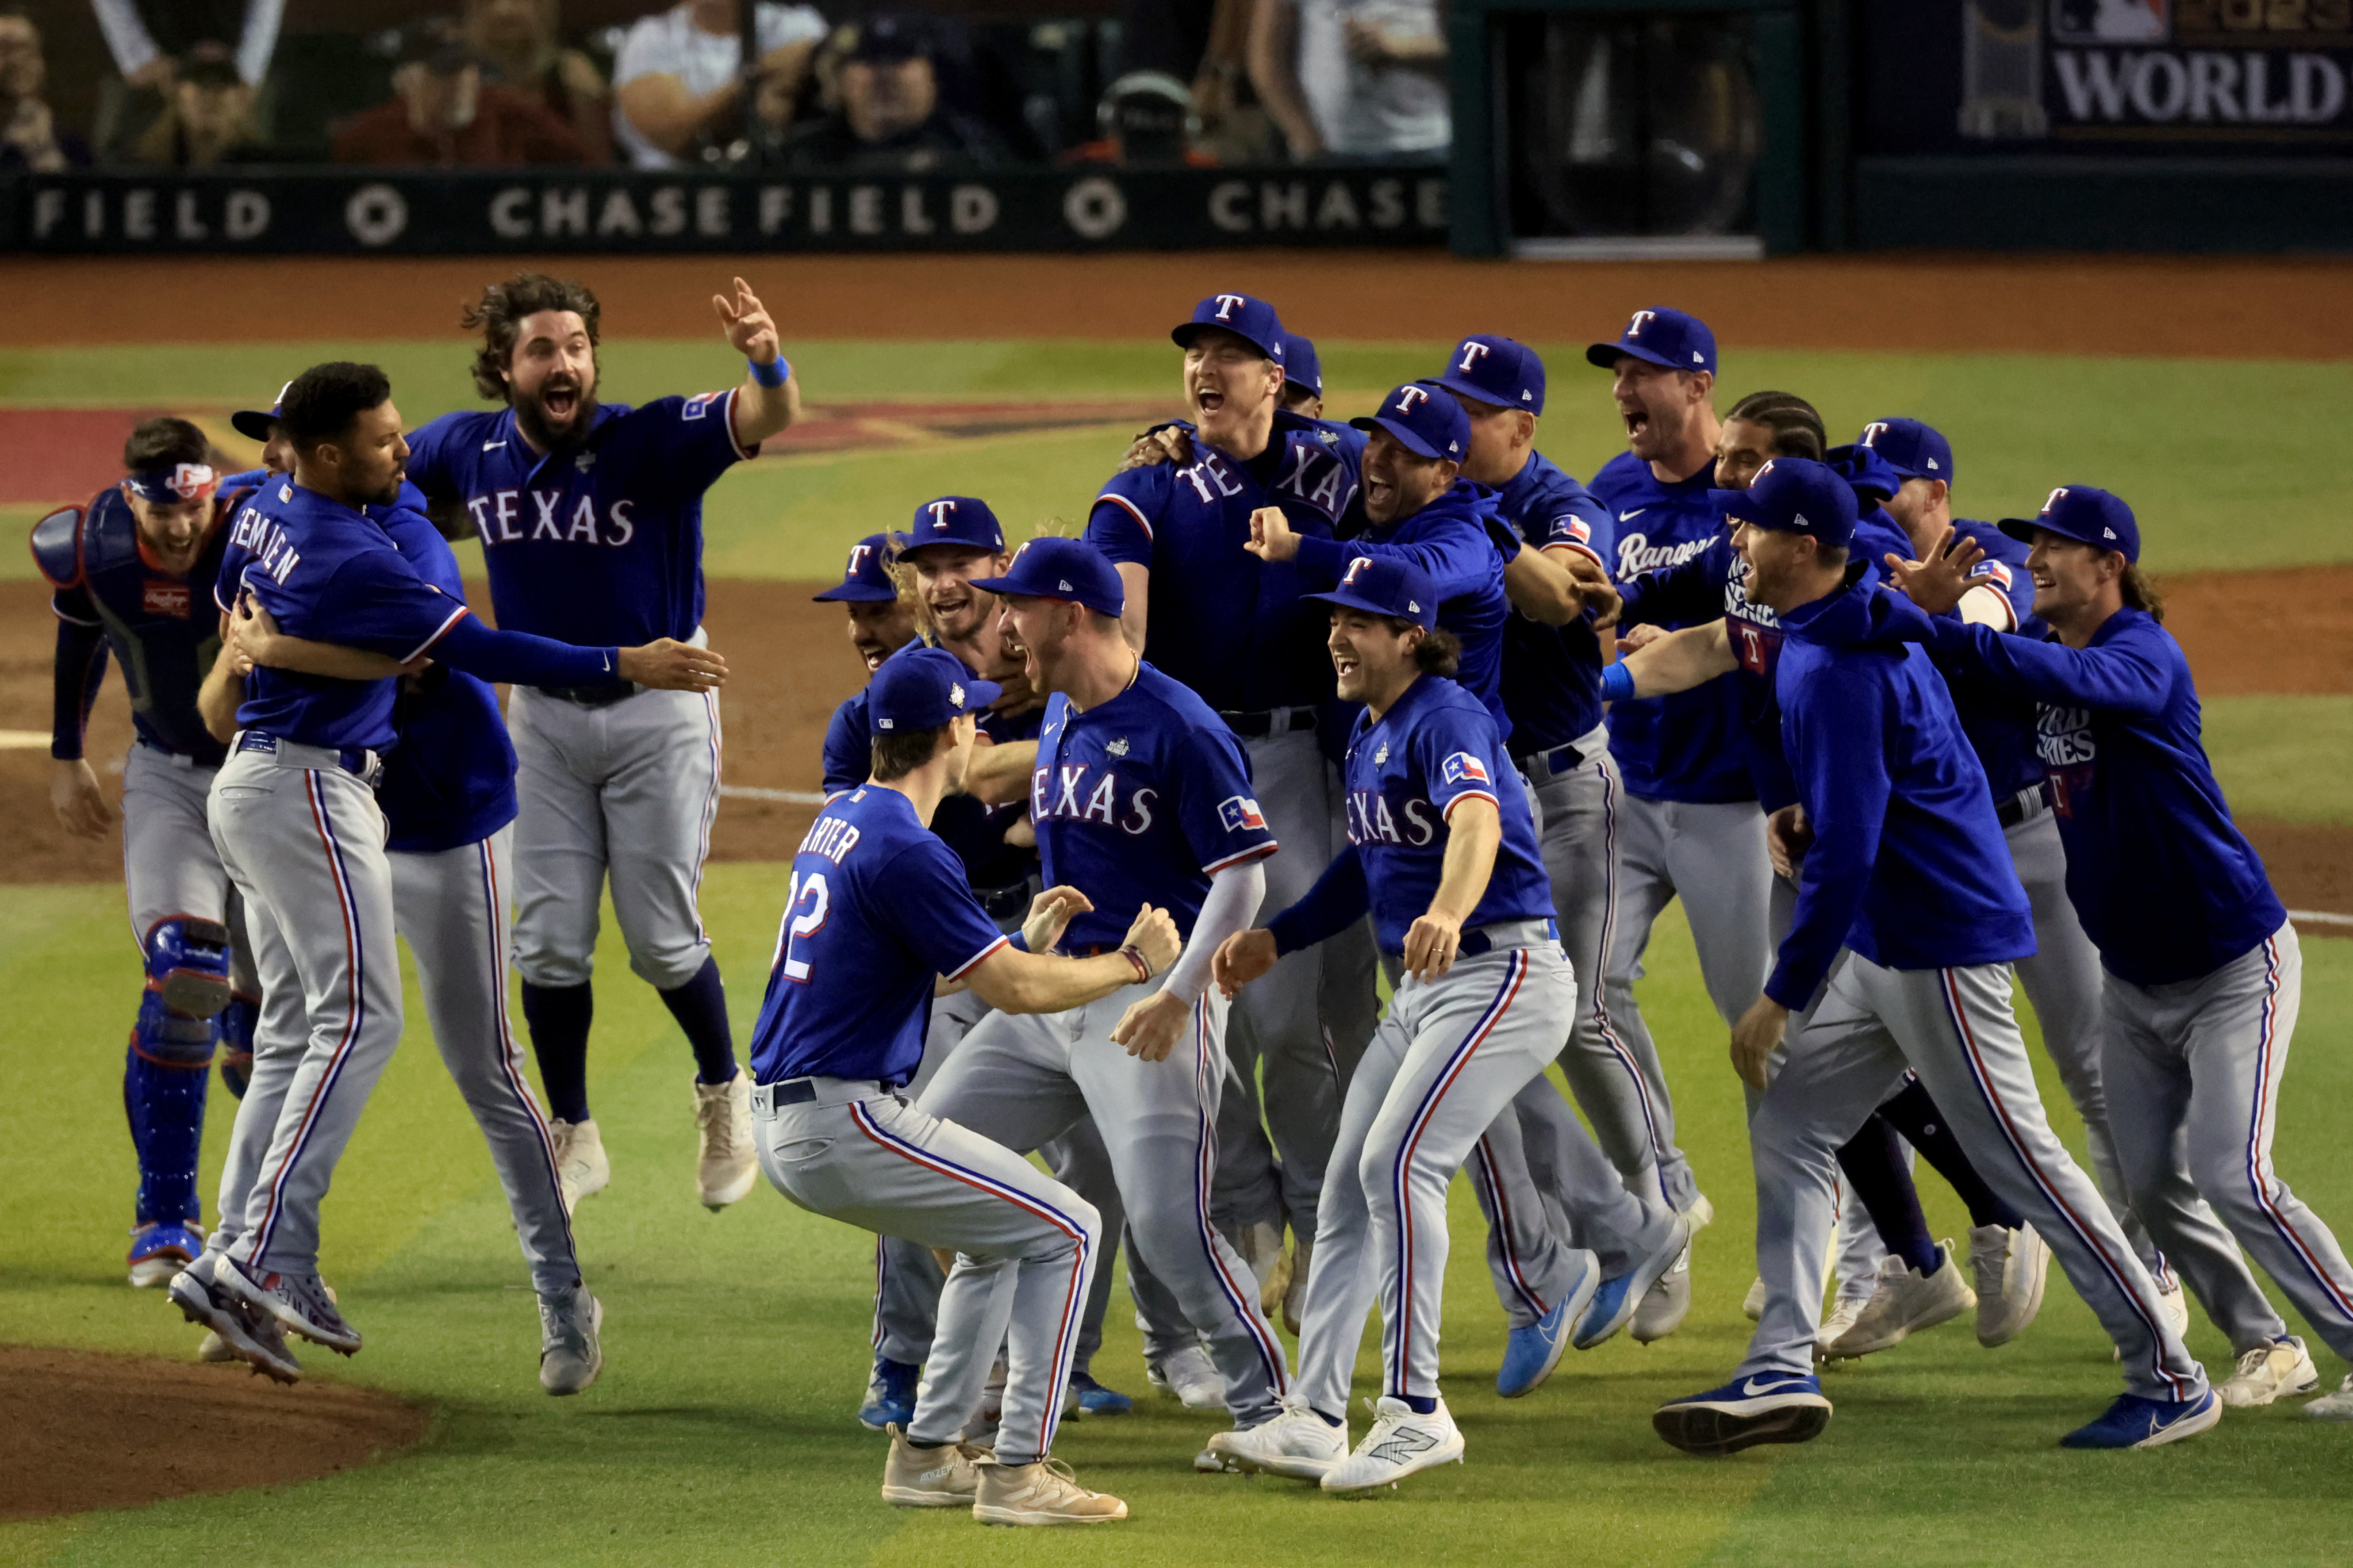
1050	913
668	665
1937	583
750	332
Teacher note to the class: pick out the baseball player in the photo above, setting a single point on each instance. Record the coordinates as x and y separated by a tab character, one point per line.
1140	796
447	796
1228	626
1906	923
1558	543
2201	974
294	818
1303	377
878	912
1689	821
951	541
133	574
1444	856
591	521
880	622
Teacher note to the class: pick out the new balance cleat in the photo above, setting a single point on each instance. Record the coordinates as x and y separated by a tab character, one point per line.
301	1301
1297	1443
2133	1422
1769	1407
1401	1443
1531	1354
1045	1492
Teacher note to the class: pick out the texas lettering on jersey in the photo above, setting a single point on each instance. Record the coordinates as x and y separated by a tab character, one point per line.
1065	790
1372	820
499	519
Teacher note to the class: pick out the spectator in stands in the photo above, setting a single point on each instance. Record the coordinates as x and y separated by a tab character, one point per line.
443	113
30	137
209	120
889	119
1145	117
1353	77
517	42
676	82
146	36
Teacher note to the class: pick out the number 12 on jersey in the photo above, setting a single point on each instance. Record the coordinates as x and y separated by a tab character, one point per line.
803	918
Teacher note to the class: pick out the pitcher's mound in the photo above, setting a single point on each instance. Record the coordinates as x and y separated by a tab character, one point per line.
79	1430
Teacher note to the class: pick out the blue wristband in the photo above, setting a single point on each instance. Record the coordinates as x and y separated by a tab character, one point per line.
770	374
1617	683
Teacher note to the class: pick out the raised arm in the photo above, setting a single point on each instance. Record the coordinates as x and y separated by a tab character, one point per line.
1676	661
762	407
1013	980
999	774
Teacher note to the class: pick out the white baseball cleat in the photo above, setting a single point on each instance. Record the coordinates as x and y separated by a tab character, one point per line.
2266	1372
247	1333
1298	1443
1045	1492
301	1301
1666	1305
1840	1317
1906	1302
581	1169
1189	1374
2337	1406
945	1477
1752	1305
726	1164
1400	1443
2010	1267
570	1353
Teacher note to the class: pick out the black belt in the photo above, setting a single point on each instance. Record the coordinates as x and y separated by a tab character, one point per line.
800	1092
2013	809
603	694
1293	720
1559	759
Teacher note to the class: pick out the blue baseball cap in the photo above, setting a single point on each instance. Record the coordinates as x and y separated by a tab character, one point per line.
1672	338
921	687
1386	585
1423	419
253	424
866	580
1498	370
1253	321
1868	472
1299	365
2087	515
955	520
1794	495
1914	451
1067	569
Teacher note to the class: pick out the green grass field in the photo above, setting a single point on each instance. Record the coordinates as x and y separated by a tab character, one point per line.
721	1431
736	1343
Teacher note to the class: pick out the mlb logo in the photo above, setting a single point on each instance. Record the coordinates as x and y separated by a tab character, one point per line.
162	598
1239	812
1464	768
698	406
2112	21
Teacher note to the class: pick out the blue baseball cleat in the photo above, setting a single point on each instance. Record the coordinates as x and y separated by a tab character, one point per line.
158	1251
1769	1407
1531	1354
1092	1398
2133	1422
890	1395
1615	1299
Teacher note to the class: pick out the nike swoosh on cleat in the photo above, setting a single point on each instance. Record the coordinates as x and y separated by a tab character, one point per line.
1636	512
1752	1388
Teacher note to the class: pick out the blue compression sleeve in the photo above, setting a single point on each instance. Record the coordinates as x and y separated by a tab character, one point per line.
522	659
1338	898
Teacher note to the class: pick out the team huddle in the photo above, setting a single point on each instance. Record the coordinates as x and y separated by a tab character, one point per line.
1130	834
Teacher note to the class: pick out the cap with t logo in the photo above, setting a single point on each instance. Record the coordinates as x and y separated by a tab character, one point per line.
2086	515
1496	370
1675	338
1386	585
1424	420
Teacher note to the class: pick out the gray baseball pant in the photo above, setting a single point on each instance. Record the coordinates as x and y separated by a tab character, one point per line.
281	1039
1026	1244
1304	1027
170	866
629	789
2193	1076
1955	1029
907	1278
1713	855
1024	1080
303	841
1441	1070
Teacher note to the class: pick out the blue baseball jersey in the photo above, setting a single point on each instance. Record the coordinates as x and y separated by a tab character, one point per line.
1141	800
450	779
1907	865
878	908
1220	620
1714	584
1450	540
1436	747
1998	722
330	573
1687	747
161	629
601	543
2166	886
1551	675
